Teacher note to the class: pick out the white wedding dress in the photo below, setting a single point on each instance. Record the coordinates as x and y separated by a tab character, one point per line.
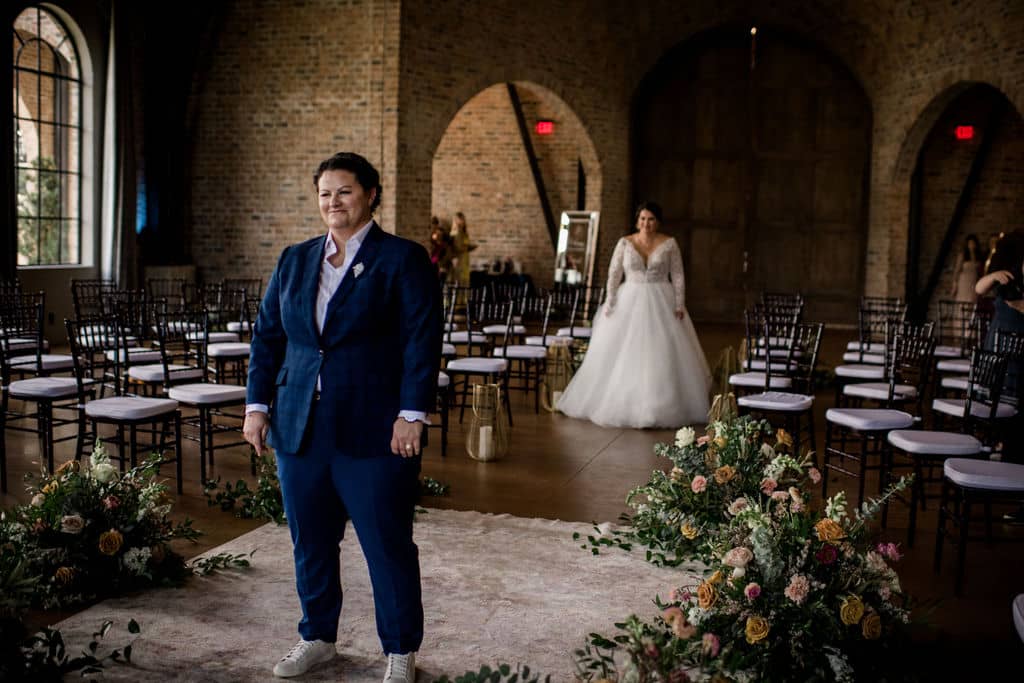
644	366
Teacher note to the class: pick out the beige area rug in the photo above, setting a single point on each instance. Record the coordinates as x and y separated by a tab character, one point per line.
496	588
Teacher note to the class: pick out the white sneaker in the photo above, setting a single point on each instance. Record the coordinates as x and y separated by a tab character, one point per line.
303	656
401	668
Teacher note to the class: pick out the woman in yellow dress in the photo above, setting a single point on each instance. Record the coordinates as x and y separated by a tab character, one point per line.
460	250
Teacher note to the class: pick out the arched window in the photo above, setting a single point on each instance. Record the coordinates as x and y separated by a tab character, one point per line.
48	140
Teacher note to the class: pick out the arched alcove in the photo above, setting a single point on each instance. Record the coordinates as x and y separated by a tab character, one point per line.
759	152
962	160
481	167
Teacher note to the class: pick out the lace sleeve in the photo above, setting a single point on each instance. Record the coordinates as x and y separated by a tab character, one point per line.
676	274
615	272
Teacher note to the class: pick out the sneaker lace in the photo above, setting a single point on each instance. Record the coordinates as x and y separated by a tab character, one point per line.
398	666
300	648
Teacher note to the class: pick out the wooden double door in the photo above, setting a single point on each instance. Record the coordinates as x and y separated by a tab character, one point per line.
759	155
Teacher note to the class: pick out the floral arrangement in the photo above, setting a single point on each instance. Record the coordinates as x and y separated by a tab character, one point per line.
92	533
737	464
792	595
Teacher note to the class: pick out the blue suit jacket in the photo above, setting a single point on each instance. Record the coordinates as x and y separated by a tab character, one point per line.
379	352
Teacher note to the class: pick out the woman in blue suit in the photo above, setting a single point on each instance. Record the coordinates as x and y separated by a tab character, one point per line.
342	372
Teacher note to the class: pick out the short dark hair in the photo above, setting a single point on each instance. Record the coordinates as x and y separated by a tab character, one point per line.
653	207
366	175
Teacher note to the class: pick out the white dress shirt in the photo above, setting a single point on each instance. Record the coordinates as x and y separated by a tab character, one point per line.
330	280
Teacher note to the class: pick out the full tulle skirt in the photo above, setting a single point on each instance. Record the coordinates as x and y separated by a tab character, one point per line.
644	367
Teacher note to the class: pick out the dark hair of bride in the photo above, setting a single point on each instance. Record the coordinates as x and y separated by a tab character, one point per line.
653	207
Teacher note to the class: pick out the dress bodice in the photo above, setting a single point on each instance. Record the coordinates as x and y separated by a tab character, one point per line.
664	264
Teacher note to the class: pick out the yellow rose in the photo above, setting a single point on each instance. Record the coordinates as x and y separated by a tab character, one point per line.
110	542
829	531
757	629
851	610
782	438
871	627
715	578
689	531
64	575
720	441
50	488
725	473
707	595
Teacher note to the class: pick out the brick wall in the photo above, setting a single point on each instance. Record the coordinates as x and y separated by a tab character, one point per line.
285	89
481	168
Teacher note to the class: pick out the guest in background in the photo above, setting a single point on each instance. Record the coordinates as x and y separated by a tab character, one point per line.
969	266
460	248
440	249
1005	281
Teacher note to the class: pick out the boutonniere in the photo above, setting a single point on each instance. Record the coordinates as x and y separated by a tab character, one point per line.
357	269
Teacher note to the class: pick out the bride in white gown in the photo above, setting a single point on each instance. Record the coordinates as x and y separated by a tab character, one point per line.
644	366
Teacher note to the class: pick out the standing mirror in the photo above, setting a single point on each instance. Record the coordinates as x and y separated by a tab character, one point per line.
577	246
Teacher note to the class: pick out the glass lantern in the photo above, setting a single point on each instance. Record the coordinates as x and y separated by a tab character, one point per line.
489	431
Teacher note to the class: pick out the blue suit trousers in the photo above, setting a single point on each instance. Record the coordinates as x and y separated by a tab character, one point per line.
323	488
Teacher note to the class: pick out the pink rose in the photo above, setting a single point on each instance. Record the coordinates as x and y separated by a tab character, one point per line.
111	502
738	506
815	475
738	557
780	495
752	591
769	485
827	555
890	551
698	484
798	589
710	645
703	440
679	595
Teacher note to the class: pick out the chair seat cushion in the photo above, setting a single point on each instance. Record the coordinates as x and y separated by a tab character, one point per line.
136	355
757	364
500	329
934	443
522	351
129	408
860	371
756	379
228	350
958	383
448	349
945	351
984	474
867	347
238	326
869	419
22	344
177	326
215	337
51	362
205	393
879	391
155	373
552	340
869	358
477	364
578	331
957	406
443	380
1018	614
777	400
463	337
959	365
43	387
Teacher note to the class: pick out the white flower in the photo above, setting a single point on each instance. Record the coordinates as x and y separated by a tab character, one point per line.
103	472
739	572
38	500
99	455
72	524
357	269
685	437
136	559
738	557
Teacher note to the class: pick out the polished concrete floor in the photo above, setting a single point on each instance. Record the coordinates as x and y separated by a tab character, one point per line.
562	468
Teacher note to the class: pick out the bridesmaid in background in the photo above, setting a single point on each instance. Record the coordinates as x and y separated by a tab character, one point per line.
968	269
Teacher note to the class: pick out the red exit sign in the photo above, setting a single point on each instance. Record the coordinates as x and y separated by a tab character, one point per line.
964	132
545	127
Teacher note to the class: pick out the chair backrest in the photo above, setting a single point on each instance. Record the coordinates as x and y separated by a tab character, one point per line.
774	299
170	289
984	385
88	295
90	338
1011	345
252	286
909	356
535	310
804	359
564	306
21	334
183	337
954	326
875	319
769	331
480	314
